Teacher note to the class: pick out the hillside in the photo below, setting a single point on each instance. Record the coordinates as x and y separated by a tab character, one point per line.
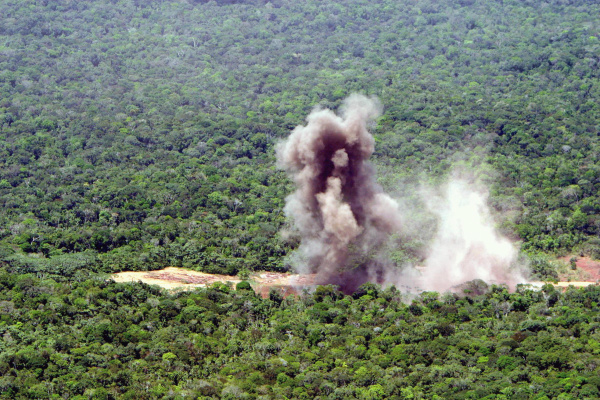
137	135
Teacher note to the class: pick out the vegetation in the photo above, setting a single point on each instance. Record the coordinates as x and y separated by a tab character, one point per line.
101	340
140	134
135	135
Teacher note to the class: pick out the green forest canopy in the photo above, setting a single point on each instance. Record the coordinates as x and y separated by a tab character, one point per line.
101	340
139	134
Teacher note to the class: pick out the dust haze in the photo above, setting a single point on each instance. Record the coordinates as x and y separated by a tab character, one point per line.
345	220
467	245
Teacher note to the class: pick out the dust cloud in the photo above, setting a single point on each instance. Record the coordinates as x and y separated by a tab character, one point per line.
345	220
467	245
341	213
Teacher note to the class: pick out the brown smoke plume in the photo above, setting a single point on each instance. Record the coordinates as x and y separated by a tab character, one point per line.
342	214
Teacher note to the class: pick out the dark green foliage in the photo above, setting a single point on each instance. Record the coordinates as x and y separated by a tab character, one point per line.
140	134
244	285
133	130
99	339
541	267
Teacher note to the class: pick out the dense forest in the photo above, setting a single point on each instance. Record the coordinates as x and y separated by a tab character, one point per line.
136	135
101	340
140	134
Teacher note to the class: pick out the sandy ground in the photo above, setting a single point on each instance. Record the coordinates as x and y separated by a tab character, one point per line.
173	278
564	284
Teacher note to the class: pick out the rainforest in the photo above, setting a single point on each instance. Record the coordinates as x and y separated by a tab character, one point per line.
432	165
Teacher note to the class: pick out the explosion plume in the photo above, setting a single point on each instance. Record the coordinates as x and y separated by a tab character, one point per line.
342	214
467	245
345	219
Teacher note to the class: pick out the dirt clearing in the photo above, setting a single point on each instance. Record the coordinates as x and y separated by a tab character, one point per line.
173	278
586	268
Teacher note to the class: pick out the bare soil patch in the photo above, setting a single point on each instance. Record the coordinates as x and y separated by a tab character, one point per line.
587	269
574	284
173	278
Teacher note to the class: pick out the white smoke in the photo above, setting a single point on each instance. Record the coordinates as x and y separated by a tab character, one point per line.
467	245
345	220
